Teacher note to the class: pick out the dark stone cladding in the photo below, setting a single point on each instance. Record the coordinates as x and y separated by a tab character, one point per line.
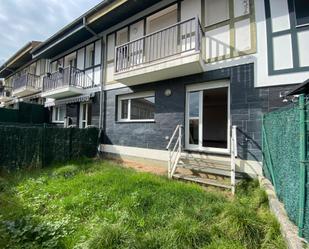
247	105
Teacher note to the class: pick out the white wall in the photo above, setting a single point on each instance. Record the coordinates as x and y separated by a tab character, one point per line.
217	41
283	53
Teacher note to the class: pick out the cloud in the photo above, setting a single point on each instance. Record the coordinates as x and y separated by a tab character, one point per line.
22	21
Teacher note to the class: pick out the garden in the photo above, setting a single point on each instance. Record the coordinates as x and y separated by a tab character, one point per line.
100	204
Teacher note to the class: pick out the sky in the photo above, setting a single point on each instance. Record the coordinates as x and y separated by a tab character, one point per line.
22	21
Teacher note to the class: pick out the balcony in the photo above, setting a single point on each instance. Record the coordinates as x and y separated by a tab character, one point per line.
26	84
66	82
172	52
5	94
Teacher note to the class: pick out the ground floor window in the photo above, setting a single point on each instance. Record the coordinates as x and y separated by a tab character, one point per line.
136	107
59	113
85	115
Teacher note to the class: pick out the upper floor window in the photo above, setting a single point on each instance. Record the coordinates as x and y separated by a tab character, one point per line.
301	12
70	60
89	56
136	107
216	11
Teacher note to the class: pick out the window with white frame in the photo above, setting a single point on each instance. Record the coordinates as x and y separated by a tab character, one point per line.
136	107
59	113
85	115
89	56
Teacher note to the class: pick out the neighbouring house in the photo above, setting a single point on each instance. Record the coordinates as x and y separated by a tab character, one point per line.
73	83
22	77
140	70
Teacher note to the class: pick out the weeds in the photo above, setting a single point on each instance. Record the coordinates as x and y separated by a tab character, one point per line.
92	204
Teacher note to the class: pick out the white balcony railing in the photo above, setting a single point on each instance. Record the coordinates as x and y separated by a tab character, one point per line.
179	38
69	76
26	80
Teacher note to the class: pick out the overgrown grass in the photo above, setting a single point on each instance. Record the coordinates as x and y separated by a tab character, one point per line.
92	204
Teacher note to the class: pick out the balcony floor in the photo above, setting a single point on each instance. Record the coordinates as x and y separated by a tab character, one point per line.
168	68
5	99
63	92
25	91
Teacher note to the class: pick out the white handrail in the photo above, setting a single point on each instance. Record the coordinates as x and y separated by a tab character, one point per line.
172	137
177	148
234	154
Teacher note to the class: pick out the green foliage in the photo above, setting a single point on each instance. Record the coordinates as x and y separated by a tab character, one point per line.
28	233
66	171
114	236
3	184
94	204
37	147
226	244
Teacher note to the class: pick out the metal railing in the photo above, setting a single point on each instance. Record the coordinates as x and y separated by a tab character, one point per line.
69	76
234	155
176	39
174	151
5	92
26	80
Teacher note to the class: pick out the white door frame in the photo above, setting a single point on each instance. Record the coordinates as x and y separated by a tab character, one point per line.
81	120
200	87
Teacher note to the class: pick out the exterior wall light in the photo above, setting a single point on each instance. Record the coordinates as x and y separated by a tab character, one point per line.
168	92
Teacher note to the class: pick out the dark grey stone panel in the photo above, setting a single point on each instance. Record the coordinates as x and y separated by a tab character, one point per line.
247	106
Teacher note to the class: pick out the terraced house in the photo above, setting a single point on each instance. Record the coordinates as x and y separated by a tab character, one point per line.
23	77
194	76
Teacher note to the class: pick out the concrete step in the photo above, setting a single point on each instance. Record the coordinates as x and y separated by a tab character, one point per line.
210	170
206	166
201	180
224	165
202	155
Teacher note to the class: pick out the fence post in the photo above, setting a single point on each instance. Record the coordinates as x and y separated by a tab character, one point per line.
302	164
70	143
270	165
43	146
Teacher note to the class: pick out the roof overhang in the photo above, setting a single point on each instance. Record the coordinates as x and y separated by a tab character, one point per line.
20	58
106	14
300	89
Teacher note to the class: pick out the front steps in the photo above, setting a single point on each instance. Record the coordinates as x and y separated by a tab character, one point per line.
205	170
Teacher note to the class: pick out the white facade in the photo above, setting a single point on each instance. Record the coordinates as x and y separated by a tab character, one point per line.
229	40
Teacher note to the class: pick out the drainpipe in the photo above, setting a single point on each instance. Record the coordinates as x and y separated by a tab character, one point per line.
302	173
101	90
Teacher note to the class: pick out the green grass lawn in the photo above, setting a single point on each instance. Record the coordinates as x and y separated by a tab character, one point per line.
95	204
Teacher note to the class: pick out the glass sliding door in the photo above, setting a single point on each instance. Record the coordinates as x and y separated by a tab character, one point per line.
207	117
194	118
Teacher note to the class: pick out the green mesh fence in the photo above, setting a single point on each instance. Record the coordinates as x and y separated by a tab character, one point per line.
281	153
281	159
35	147
26	113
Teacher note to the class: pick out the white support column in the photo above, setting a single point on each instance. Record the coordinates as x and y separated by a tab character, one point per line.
233	158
